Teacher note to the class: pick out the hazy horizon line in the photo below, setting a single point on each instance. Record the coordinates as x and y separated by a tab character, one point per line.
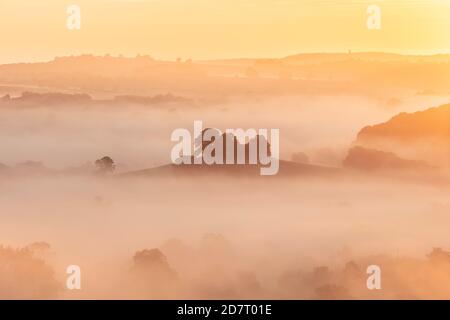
126	56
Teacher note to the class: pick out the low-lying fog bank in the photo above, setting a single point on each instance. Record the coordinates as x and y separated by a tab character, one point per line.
222	237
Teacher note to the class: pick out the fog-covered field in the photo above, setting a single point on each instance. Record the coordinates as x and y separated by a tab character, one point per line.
221	237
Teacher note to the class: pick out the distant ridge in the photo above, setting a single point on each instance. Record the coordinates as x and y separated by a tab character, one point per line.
287	169
372	160
58	99
431	123
422	135
312	73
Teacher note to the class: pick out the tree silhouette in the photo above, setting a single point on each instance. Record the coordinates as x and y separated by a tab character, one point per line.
105	165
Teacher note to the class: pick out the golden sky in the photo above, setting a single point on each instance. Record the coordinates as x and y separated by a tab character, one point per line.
33	30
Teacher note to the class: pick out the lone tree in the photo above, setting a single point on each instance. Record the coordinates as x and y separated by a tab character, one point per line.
105	165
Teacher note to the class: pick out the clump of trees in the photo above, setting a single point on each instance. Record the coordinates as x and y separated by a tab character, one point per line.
25	274
105	165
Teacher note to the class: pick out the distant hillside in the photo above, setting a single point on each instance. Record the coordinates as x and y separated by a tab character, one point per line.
432	123
311	73
56	99
373	160
287	169
423	135
364	56
188	168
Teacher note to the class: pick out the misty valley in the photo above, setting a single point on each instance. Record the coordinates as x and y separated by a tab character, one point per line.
110	189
